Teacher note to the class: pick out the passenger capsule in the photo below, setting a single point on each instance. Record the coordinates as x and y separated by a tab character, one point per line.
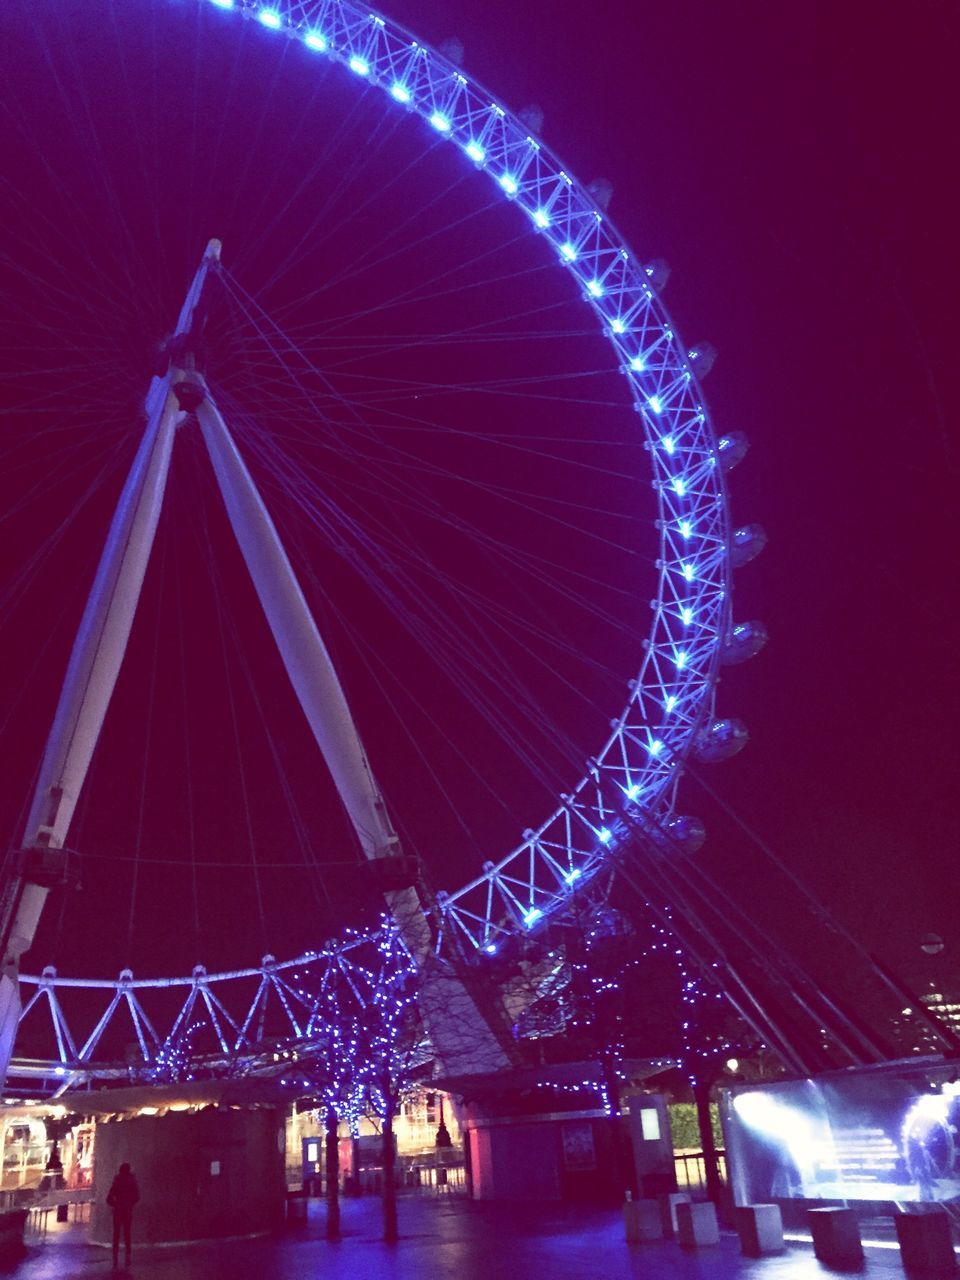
658	273
608	922
748	542
601	192
732	448
745	641
531	117
721	740
687	832
702	358
452	50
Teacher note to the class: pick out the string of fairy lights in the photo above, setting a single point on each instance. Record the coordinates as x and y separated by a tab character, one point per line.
362	1045
359	1046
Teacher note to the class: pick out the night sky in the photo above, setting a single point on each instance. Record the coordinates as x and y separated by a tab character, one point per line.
796	168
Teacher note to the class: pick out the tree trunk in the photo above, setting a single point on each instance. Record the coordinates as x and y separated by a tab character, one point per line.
390	1231
701	1094
333	1176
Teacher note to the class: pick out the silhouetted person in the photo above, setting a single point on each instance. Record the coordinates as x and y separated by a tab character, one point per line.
124	1194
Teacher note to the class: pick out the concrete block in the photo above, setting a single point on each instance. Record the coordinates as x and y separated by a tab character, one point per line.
697	1224
651	1224
926	1243
836	1237
760	1228
668	1210
641	1220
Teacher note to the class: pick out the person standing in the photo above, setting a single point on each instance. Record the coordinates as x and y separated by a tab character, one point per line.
123	1195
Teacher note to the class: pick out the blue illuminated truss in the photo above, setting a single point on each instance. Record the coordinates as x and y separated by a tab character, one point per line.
631	782
637	768
235	1023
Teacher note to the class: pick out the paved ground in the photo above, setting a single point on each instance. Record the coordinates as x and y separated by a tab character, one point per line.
442	1237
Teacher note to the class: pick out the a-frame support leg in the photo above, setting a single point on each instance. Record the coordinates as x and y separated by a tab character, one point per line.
91	674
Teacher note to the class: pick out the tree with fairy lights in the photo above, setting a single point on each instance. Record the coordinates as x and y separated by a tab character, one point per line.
630	990
366	1038
392	1047
714	1035
338	1075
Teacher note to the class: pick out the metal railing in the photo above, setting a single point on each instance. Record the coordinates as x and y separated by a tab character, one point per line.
691	1169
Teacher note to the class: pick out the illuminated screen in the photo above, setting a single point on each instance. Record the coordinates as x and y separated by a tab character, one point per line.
888	1134
650	1124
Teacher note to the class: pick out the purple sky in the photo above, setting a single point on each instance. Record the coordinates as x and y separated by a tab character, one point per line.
795	167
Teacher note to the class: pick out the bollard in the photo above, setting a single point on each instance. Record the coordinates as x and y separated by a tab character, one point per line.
631	1220
760	1228
926	1243
836	1237
697	1224
668	1210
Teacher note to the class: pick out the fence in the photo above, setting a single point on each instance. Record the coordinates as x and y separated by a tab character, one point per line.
691	1169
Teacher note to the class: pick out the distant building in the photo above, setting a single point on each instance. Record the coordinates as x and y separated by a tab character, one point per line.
944	1007
914	1035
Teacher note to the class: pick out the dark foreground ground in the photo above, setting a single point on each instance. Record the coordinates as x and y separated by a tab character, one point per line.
441	1237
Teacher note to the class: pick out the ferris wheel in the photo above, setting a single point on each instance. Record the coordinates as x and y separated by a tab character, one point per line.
628	788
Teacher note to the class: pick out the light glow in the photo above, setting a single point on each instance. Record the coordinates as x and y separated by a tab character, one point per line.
618	326
572	875
270	18
509	184
595	288
359	66
668	444
541	218
686	616
531	916
669	702
400	92
313	40
440	122
475	152
656	404
679	486
223	4
568	251
632	791
605	835
688	572
686	528
491	948
681	660
655	747
637	365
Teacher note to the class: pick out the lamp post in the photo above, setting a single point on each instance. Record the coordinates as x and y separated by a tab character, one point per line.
443	1139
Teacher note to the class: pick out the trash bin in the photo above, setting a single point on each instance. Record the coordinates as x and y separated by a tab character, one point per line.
296	1210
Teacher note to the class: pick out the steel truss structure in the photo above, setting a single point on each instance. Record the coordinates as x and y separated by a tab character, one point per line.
631	782
672	697
236	1022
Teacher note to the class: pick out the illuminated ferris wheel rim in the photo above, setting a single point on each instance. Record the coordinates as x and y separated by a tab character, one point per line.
671	700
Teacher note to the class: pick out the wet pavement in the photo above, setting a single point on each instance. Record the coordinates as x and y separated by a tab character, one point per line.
440	1237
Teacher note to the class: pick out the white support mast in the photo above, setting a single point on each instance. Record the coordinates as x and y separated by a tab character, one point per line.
461	1036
